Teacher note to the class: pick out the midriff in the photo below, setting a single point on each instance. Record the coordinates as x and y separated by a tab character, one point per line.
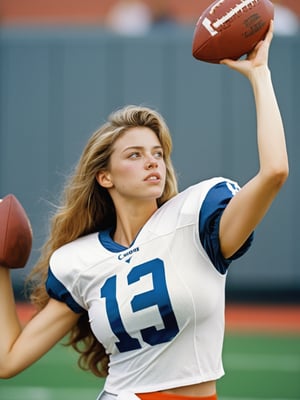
197	390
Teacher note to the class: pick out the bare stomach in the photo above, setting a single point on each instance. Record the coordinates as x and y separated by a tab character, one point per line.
200	389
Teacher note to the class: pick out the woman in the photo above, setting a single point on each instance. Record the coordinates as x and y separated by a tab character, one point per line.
137	271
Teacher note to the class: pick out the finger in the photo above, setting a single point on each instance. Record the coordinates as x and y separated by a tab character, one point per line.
269	35
228	62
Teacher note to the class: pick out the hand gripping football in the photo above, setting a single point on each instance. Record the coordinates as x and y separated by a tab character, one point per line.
15	233
231	28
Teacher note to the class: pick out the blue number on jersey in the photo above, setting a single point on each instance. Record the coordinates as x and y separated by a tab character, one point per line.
158	296
126	342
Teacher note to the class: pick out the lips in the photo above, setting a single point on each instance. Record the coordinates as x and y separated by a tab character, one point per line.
154	177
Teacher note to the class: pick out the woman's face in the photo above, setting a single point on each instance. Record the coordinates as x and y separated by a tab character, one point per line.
137	171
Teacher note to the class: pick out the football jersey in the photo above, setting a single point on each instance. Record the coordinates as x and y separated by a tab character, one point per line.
158	306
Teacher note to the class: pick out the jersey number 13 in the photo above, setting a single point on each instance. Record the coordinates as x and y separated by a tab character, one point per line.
158	296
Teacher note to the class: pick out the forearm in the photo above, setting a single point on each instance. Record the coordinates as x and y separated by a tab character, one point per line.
270	131
19	348
246	210
10	325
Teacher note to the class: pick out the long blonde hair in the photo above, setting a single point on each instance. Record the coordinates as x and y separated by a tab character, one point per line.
86	207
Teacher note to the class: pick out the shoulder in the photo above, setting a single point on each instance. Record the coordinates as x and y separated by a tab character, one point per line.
218	196
68	265
76	256
183	209
191	199
200	190
77	246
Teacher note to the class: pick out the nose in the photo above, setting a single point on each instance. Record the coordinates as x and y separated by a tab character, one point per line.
150	163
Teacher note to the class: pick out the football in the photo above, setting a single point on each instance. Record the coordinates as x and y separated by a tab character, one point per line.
15	233
231	29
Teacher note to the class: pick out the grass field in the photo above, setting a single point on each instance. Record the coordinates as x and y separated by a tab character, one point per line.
259	365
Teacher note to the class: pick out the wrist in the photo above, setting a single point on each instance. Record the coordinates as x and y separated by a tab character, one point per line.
4	271
260	75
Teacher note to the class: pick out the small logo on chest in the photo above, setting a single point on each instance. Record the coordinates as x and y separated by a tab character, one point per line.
127	255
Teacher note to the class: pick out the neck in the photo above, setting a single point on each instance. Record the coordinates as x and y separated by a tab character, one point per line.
130	220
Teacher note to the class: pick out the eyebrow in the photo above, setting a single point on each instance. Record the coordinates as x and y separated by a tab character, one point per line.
141	148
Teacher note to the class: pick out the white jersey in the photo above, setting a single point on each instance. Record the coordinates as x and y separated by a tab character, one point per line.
158	306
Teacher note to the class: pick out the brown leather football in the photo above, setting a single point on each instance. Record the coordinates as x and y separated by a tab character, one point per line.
15	233
231	29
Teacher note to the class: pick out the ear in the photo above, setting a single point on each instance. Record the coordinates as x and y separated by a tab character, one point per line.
104	179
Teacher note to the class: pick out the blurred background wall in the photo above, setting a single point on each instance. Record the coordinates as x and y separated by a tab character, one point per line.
95	11
63	70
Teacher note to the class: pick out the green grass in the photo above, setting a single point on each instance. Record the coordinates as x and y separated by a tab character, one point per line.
56	376
261	367
257	367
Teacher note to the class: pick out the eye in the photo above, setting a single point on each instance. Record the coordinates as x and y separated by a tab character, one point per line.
134	154
159	154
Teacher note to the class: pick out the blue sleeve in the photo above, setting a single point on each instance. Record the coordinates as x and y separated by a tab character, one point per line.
59	292
211	211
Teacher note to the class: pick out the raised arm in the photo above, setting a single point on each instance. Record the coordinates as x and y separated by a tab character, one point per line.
19	348
245	211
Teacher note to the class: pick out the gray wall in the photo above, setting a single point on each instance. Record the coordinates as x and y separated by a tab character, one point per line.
58	86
